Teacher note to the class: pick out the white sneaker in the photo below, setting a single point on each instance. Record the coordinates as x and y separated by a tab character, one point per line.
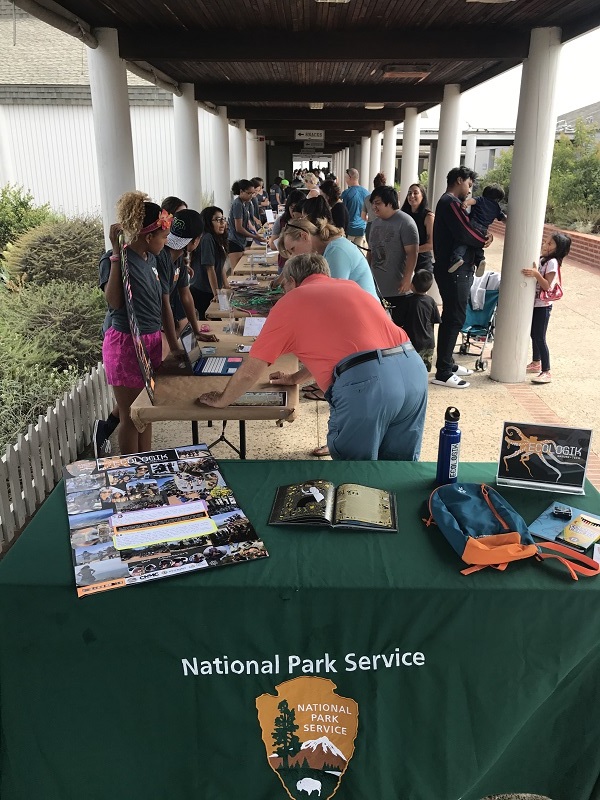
453	382
460	370
480	268
456	265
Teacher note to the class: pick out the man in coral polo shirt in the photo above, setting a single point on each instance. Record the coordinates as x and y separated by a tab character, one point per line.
374	380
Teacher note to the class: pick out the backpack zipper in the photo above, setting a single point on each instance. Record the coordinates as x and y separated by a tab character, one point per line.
485	493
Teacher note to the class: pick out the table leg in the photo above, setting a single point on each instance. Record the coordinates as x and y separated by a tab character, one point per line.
195	439
242	438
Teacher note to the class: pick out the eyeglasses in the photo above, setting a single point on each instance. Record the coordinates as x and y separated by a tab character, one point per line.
218	219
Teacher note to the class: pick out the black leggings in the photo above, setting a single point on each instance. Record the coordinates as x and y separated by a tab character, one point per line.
539	326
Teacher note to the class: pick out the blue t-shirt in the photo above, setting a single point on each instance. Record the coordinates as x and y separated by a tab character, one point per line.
354	197
347	261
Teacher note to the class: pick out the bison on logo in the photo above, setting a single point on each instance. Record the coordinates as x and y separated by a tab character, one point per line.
308	732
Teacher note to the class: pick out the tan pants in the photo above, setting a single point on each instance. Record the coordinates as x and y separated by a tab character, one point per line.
360	241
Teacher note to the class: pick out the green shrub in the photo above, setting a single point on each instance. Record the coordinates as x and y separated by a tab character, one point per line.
60	323
67	250
18	214
26	394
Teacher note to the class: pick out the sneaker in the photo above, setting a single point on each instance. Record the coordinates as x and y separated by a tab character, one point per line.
453	382
543	377
102	445
456	265
534	366
480	268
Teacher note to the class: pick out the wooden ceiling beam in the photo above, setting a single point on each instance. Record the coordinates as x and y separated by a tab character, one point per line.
309	118
393	92
464	44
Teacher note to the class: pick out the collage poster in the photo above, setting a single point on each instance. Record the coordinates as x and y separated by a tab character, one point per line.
153	515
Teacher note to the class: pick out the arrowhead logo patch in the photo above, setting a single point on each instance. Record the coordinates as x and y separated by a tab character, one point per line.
308	731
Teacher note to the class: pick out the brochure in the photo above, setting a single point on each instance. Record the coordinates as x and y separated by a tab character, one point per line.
152	515
319	502
545	457
552	523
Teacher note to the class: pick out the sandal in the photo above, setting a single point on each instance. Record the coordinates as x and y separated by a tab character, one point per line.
314	395
319	452
311	387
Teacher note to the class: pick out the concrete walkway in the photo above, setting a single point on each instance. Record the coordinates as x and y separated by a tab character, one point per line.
573	398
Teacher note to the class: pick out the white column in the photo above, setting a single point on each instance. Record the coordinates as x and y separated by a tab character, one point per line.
366	179
252	153
532	161
187	147
388	156
448	149
220	149
470	150
242	150
375	156
357	157
347	163
112	123
409	172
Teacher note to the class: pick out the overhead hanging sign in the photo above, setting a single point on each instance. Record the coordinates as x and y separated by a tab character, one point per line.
311	136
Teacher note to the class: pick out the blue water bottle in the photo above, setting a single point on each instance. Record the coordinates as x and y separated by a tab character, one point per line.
449	448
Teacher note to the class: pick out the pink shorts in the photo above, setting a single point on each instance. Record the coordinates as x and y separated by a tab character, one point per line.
120	361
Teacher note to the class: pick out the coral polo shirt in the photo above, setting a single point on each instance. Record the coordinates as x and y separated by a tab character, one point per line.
322	321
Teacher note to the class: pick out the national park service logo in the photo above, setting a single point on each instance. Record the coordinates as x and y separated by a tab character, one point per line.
309	732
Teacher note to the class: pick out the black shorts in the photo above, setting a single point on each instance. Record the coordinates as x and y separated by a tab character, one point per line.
234	247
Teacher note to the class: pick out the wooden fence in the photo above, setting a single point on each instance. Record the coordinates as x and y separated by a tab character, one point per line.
32	466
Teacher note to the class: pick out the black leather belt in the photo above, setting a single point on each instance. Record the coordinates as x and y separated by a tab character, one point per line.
372	354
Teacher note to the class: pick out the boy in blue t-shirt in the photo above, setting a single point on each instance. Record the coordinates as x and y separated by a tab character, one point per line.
484	210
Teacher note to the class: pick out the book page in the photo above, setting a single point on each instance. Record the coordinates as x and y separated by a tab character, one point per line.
302	502
364	506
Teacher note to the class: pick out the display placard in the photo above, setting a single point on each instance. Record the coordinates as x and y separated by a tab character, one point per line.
545	457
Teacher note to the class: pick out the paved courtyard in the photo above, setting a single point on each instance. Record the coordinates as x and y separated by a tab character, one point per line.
573	398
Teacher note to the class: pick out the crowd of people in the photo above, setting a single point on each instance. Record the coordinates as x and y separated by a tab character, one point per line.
356	269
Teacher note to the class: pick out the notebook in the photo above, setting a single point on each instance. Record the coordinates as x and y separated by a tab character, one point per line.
206	365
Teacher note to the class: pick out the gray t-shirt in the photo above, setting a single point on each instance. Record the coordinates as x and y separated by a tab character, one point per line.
209	254
387	241
146	296
103	276
239	210
173	274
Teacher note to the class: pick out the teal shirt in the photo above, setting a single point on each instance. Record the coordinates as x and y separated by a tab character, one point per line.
347	261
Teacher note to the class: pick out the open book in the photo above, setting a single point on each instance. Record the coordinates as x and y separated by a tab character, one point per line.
319	502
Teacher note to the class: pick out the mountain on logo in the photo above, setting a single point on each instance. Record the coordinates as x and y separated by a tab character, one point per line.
313	768
317	753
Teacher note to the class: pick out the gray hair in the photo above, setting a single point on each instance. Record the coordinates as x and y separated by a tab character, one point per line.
352	173
300	267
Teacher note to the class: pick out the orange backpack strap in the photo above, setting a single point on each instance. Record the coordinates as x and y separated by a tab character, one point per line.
575	562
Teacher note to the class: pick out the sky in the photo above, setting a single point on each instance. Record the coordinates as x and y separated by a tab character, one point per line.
494	104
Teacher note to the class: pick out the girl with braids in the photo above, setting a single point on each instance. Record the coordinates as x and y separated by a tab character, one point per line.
240	222
145	228
344	258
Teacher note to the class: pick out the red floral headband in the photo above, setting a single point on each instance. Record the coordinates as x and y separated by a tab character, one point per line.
164	221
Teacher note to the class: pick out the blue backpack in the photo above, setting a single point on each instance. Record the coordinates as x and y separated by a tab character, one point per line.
486	531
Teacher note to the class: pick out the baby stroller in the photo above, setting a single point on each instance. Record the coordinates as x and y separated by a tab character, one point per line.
480	321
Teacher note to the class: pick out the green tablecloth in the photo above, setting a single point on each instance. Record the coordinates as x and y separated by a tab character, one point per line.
95	703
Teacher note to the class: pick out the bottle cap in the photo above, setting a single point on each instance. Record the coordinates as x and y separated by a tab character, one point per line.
452	414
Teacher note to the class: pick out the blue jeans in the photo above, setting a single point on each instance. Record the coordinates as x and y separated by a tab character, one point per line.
377	409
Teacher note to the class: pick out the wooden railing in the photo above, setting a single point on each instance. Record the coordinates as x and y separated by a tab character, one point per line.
32	466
